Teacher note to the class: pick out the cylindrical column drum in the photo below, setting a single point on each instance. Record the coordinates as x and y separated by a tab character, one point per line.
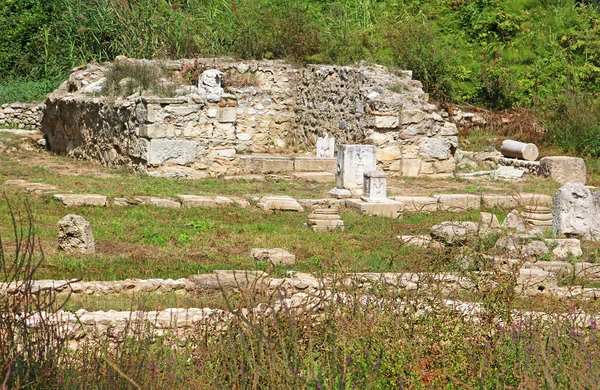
516	149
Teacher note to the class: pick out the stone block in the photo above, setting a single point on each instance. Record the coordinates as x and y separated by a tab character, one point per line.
138	147
340	193
501	201
412	116
165	203
353	161
279	202
158	130
315	164
533	281
576	212
314	177
75	200
411	167
386	121
563	169
266	164
458	202
390	209
514	221
435	148
419	204
174	151
563	249
327	203
488	223
227	115
275	256
205	202
587	270
75	235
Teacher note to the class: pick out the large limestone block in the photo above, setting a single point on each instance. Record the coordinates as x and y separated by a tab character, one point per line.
75	235
279	202
171	150
435	148
75	200
266	164
564	169
576	212
353	162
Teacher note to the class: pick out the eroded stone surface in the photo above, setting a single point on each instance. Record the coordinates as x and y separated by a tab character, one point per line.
75	235
576	212
74	200
451	232
563	169
274	256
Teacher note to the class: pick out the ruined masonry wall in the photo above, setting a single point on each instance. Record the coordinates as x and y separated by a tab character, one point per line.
21	116
269	107
373	106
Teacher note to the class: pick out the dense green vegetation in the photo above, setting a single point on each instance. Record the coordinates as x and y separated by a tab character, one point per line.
498	54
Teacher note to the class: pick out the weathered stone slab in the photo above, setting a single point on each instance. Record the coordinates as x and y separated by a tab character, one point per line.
257	164
314	177
165	203
75	200
353	162
587	270
391	209
205	202
563	169
244	177
576	212
315	164
532	281
488	223
176	151
279	202
275	256
331	204
458	202
340	193
75	235
418	203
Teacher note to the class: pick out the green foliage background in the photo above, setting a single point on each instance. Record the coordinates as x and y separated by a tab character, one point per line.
497	54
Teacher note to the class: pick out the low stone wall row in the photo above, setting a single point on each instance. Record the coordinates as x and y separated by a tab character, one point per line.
529	280
21	115
442	202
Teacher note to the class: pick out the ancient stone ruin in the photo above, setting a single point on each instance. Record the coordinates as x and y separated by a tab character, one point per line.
232	116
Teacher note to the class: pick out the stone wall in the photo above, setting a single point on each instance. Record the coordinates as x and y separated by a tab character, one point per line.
369	105
20	115
263	107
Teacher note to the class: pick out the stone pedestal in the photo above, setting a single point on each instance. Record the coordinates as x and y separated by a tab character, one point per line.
353	162
375	187
325	220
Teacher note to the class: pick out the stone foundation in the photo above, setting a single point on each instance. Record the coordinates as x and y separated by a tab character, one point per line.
263	107
21	116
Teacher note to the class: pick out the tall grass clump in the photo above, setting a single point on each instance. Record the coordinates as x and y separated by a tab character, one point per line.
32	344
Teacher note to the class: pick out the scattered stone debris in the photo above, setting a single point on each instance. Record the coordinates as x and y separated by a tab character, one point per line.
75	235
421	241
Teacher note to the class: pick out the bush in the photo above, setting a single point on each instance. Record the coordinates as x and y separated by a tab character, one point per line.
573	124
